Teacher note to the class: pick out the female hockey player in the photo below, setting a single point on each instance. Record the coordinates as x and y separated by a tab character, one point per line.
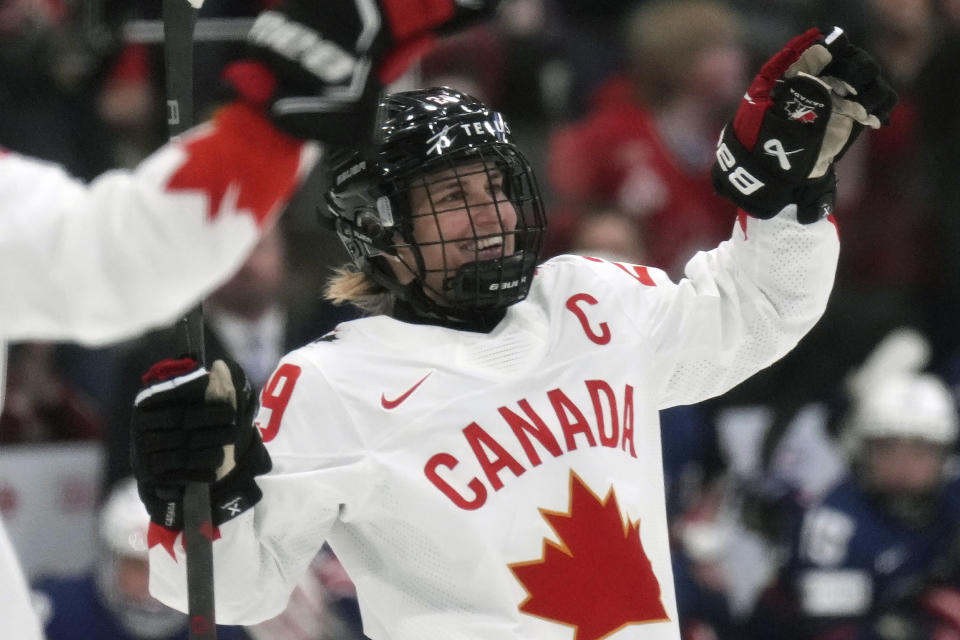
482	451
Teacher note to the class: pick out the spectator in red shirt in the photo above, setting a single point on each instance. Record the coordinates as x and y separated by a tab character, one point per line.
646	145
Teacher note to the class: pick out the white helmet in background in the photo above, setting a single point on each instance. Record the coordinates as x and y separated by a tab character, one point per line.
124	521
122	566
905	405
893	400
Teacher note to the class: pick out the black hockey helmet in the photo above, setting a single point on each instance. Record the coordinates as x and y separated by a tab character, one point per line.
421	135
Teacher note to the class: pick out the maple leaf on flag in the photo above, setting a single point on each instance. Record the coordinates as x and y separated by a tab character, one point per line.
598	578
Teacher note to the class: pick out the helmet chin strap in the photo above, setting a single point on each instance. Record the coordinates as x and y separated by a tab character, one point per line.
486	281
482	281
474	298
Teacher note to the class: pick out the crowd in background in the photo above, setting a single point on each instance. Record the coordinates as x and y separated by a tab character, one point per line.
619	104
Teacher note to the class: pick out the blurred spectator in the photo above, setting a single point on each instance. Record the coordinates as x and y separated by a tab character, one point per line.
691	456
56	57
609	234
540	75
887	238
938	122
780	454
702	537
767	24
144	74
253	318
453	63
591	44
646	147
767	466
877	558
131	104
245	314
41	405
112	601
699	524
728	484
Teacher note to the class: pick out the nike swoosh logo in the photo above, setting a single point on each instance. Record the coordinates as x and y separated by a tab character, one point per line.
395	402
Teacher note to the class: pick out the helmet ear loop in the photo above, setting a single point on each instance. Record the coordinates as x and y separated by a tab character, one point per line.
381	237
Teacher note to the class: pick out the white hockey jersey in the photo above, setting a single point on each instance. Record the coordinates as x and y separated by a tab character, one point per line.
133	250
509	485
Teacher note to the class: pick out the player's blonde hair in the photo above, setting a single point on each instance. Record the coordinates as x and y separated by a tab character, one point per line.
350	285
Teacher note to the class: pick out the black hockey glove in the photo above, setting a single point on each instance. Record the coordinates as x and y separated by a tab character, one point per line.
191	425
800	114
319	65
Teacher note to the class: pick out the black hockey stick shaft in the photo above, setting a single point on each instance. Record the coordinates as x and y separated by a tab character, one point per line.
179	20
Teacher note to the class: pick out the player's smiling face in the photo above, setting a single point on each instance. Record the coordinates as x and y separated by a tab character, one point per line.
459	215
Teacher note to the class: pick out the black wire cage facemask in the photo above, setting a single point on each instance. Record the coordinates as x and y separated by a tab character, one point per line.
449	199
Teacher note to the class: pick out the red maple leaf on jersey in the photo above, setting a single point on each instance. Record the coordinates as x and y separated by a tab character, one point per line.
598	579
243	157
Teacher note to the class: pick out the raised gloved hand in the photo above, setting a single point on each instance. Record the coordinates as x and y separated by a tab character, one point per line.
319	65
799	115
191	425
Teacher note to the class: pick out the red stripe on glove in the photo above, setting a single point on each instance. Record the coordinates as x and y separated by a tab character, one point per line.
169	369
746	124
